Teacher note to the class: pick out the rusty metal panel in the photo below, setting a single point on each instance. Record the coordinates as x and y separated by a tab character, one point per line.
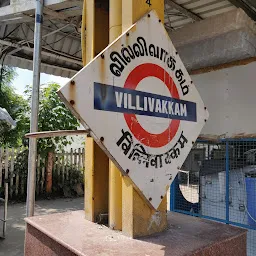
141	106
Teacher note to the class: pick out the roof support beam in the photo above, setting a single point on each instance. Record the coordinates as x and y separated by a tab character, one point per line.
241	4
66	58
46	64
30	5
22	42
63	18
183	10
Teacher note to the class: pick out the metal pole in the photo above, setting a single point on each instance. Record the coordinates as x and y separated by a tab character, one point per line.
5	207
34	109
227	182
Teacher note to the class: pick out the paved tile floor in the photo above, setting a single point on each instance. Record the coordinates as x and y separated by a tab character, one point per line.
13	244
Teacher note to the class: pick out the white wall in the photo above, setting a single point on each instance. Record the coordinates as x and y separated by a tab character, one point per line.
229	95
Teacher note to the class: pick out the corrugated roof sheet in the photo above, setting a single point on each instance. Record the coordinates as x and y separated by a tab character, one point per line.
56	48
203	8
61	54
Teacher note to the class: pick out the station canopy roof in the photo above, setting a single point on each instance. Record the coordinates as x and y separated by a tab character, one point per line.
61	47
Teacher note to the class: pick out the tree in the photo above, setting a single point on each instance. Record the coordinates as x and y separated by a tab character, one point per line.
16	106
7	74
53	115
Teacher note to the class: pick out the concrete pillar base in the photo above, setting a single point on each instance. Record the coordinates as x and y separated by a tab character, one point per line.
70	234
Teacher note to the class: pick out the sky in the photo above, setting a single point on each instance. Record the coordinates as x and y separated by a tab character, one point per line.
25	77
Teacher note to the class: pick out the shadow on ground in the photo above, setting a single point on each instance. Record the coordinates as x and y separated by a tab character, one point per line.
13	244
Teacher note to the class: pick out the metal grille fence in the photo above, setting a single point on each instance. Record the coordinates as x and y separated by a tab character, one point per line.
218	182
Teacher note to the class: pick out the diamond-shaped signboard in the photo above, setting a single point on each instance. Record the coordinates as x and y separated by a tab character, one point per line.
141	106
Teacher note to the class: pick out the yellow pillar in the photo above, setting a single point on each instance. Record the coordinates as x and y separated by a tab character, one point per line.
138	219
115	177
133	10
115	19
96	161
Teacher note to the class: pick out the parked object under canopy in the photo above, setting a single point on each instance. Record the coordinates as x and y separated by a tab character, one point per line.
4	115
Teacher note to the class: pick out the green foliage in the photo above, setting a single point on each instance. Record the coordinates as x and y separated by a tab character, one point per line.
7	75
17	107
53	115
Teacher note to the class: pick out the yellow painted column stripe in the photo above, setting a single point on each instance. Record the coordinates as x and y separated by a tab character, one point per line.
90	29
83	38
138	219
115	177
96	167
87	55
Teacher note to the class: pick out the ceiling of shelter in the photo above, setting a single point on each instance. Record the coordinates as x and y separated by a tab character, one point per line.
61	50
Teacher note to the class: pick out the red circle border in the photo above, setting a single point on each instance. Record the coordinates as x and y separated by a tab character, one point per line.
149	139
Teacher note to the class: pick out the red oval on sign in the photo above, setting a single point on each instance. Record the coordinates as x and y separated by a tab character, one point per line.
149	139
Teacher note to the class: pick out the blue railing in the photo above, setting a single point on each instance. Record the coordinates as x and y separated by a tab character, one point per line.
205	196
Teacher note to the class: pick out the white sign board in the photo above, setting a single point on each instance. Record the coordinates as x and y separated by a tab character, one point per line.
141	106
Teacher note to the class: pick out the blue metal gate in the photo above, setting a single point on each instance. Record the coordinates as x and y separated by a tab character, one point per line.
218	182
